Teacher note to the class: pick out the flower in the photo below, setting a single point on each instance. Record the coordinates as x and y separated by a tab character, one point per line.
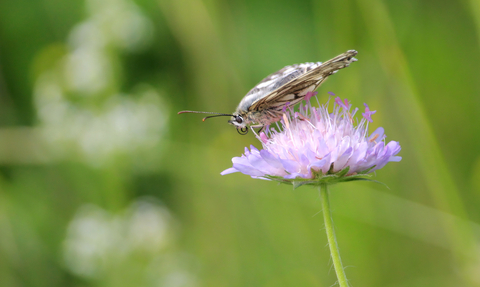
314	146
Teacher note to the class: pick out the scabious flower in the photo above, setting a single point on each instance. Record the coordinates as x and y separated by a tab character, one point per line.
314	146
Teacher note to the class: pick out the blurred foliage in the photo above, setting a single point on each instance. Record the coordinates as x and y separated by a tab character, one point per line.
102	184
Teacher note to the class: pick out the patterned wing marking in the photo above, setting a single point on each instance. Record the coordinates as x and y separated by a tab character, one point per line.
273	82
291	71
301	84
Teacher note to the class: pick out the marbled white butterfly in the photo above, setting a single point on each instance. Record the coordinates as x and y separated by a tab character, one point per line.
264	104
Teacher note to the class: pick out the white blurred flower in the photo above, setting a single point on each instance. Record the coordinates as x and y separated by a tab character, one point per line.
87	71
82	112
123	23
137	244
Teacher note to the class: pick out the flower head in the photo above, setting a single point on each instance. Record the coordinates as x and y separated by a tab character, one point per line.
314	146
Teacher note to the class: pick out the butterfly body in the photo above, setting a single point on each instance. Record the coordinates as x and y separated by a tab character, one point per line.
264	103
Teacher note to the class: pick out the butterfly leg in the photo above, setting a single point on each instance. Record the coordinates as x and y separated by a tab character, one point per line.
262	127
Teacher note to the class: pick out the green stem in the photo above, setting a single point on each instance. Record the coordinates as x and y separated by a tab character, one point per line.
332	240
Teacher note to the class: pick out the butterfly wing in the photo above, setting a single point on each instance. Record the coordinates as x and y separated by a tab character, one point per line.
292	83
273	82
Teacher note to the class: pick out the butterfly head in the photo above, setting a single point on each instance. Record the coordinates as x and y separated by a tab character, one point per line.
236	120
239	122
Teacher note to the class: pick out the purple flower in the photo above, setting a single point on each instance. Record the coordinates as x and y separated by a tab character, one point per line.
315	146
368	114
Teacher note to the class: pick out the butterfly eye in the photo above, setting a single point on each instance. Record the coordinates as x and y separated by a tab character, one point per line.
239	119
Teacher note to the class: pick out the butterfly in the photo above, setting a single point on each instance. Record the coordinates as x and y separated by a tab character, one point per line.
265	103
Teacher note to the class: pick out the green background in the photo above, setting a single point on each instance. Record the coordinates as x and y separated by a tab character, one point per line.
89	92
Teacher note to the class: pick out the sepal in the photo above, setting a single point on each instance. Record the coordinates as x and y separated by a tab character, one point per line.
319	178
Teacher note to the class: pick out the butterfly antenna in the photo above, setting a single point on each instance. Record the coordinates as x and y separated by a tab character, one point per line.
215	114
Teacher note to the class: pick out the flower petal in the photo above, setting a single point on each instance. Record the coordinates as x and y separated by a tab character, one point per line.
248	170
290	166
339	164
377	135
229	170
271	159
260	164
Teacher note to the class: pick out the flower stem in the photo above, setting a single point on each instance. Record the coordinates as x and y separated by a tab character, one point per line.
332	240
